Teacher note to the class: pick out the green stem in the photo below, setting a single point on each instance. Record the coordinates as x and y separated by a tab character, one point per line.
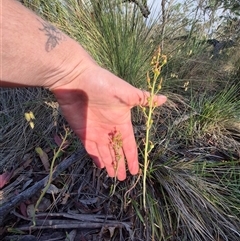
147	141
56	154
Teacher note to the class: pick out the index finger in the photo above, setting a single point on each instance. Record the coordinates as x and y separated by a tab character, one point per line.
131	153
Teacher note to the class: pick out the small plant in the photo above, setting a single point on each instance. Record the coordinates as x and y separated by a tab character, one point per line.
154	86
55	156
115	141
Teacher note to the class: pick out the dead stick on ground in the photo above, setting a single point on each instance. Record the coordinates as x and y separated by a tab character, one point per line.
7	207
76	216
87	225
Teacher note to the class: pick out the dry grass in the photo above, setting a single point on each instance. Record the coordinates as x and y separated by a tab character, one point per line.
17	138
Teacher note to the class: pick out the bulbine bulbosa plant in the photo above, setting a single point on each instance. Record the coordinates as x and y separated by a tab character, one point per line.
154	86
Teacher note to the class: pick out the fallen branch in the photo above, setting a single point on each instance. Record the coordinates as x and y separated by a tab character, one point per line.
7	207
142	6
77	216
54	224
77	224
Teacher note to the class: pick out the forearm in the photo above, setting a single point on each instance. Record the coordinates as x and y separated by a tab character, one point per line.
34	53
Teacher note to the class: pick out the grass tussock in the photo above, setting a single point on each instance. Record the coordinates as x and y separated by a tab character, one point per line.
192	179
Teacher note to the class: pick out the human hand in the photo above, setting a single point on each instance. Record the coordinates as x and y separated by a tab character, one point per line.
96	104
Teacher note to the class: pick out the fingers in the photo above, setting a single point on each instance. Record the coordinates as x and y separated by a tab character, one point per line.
92	150
121	169
115	166
115	162
131	154
104	156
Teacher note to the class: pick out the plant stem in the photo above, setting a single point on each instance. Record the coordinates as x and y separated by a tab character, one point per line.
147	141
157	62
56	154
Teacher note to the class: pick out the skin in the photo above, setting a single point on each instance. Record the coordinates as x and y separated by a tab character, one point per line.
94	101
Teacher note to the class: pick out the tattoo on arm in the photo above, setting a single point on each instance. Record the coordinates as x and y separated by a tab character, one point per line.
54	36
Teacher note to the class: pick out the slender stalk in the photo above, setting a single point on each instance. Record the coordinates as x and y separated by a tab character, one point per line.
148	148
56	154
157	62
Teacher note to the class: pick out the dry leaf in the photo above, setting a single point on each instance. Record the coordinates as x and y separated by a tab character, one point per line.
4	178
44	158
108	233
1	197
65	198
44	204
71	236
23	209
58	140
111	231
30	210
52	189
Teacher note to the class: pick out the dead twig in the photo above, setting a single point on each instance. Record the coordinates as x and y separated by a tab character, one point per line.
66	224
142	6
130	189
77	216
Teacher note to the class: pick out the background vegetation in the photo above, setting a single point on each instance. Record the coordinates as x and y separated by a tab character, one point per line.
194	173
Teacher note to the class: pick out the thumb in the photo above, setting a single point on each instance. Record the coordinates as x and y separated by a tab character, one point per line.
142	98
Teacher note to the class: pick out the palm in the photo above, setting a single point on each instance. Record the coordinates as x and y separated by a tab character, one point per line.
97	106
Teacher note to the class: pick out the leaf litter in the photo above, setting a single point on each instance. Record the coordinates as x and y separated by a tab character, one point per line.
76	200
